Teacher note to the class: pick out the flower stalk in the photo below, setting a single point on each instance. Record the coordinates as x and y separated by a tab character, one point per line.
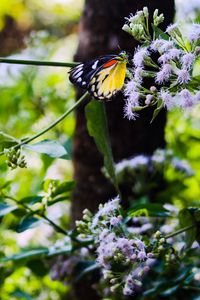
38	62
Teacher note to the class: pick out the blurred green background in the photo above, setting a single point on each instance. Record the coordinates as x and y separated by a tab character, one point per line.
31	98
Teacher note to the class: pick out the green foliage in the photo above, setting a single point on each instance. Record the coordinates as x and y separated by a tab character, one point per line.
98	129
50	148
190	217
31	198
149	210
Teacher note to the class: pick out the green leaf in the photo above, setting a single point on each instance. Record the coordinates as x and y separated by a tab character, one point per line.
31	199
33	254
64	250
186	218
159	33
28	223
197	214
166	286
170	291
63	187
85	267
21	295
98	129
157	110
196	69
7	141
38	267
139	108
150	210
6	209
26	255
50	148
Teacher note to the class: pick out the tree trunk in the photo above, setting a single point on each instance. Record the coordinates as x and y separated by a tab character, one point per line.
101	33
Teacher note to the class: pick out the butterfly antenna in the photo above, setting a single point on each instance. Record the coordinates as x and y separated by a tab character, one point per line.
118	46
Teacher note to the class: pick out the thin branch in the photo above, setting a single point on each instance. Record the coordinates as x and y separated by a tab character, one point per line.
26	207
190	287
180	231
37	62
56	227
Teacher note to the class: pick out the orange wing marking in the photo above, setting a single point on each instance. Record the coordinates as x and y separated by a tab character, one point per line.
110	63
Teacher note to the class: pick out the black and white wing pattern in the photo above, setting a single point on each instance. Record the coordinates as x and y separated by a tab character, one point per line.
82	74
102	77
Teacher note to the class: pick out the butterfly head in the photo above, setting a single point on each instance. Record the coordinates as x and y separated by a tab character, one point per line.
123	56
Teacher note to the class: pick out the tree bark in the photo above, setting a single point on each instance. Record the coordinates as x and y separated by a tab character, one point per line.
11	36
101	33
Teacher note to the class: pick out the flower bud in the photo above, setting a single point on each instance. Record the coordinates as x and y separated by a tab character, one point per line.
113	280
146	12
137	31
126	28
153	89
162	241
157	234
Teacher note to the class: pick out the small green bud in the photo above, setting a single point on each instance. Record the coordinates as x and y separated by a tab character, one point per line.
155	14
162	241
113	280
138	18
146	12
126	28
87	212
86	218
114	287
107	274
137	31
157	19
18	153
137	282
80	224
9	164
160	248
14	158
157	235
82	236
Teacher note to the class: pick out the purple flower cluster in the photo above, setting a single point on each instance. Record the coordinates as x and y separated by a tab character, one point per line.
124	251
172	72
105	215
116	249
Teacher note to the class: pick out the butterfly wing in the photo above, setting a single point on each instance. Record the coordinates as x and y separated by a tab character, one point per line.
82	73
108	80
102	77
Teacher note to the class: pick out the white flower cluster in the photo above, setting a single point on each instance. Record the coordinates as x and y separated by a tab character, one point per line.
126	252
174	72
160	159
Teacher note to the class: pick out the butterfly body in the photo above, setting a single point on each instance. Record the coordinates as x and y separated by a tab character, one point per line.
102	77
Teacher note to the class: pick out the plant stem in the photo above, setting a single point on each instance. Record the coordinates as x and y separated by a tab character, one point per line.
37	62
28	140
57	228
26	207
180	231
189	287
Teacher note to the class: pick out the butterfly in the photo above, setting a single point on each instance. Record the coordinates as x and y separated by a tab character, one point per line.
102	77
